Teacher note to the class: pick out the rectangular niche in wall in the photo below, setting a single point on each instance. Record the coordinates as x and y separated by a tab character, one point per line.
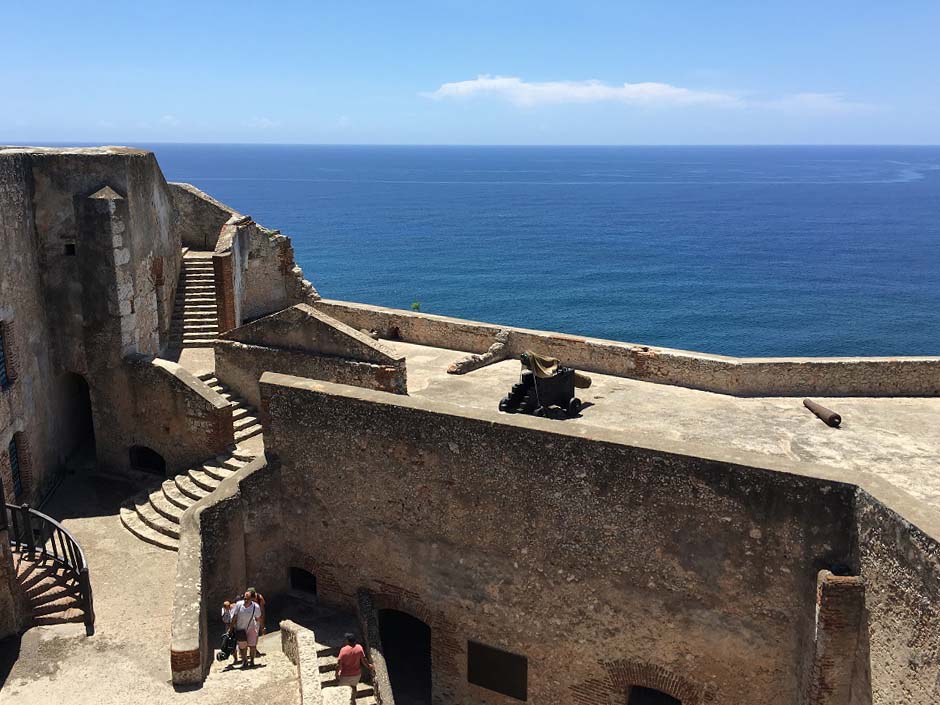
497	670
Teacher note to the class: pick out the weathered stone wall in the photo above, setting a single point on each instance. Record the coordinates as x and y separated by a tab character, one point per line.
305	342
160	405
692	574
199	217
241	365
263	277
225	545
92	261
26	404
897	376
901	566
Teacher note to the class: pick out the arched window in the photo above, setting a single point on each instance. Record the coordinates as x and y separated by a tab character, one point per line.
303	580
147	460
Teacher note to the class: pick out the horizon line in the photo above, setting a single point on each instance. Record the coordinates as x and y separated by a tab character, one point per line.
131	143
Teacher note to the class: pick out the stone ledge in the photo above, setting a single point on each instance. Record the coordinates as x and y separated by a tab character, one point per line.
300	646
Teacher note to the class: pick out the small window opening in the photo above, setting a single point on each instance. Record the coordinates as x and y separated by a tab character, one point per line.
303	580
648	696
147	460
5	380
15	467
70	249
497	670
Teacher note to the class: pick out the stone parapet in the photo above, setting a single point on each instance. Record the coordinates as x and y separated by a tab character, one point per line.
299	644
738	376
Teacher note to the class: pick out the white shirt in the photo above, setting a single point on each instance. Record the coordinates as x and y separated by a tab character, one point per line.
246	616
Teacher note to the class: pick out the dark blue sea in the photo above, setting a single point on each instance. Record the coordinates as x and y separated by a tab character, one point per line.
738	250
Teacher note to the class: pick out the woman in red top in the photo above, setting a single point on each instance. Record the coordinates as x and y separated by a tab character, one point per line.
349	666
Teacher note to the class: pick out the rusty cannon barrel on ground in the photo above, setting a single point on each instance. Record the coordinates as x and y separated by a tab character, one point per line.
827	416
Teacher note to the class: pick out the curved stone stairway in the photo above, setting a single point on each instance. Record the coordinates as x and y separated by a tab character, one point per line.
50	587
154	514
244	416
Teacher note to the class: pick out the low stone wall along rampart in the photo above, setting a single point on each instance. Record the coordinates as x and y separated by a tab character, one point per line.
738	376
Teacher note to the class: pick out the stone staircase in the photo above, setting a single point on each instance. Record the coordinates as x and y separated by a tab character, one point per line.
327	661
195	321
244	416
51	589
154	514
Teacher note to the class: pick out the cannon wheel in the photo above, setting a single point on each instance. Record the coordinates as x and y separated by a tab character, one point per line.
574	406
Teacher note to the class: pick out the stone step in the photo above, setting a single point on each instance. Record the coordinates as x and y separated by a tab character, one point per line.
247	433
242	457
197	265
187	487
187	305
217	472
165	508
174	496
197	312
326	651
133	523
67	617
208	377
49	582
54	593
199	326
43	577
202	479
56	606
244	421
327	664
239	412
197	343
156	521
196	292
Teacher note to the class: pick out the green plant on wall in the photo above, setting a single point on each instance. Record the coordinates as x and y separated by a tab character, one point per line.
416	306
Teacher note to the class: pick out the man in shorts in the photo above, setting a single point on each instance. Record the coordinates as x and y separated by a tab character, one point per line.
245	616
349	666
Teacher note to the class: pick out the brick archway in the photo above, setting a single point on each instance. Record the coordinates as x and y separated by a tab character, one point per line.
611	687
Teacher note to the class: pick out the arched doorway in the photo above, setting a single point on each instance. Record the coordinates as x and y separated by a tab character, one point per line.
304	581
147	460
76	426
649	696
406	645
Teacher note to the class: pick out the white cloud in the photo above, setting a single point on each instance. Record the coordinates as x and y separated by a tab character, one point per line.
170	121
527	93
262	123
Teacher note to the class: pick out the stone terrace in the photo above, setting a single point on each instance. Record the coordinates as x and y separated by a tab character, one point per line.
896	439
127	657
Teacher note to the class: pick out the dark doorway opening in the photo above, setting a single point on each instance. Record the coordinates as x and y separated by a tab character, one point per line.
76	426
147	460
303	580
406	643
648	696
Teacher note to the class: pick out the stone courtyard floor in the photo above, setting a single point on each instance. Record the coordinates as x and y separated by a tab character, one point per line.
127	660
897	439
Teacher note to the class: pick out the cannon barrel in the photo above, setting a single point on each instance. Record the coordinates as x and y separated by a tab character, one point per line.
828	416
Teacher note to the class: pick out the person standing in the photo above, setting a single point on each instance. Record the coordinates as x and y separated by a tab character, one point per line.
245	616
227	609
349	666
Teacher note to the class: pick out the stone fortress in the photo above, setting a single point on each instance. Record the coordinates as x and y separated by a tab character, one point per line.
693	536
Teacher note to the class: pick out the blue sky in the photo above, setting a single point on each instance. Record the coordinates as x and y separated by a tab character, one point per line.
477	72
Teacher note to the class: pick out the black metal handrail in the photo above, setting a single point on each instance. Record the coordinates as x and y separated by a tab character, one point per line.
38	535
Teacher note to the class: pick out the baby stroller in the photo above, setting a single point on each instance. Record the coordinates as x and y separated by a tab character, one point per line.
544	383
227	647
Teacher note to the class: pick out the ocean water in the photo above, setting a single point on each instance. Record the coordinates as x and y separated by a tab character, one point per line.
756	251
